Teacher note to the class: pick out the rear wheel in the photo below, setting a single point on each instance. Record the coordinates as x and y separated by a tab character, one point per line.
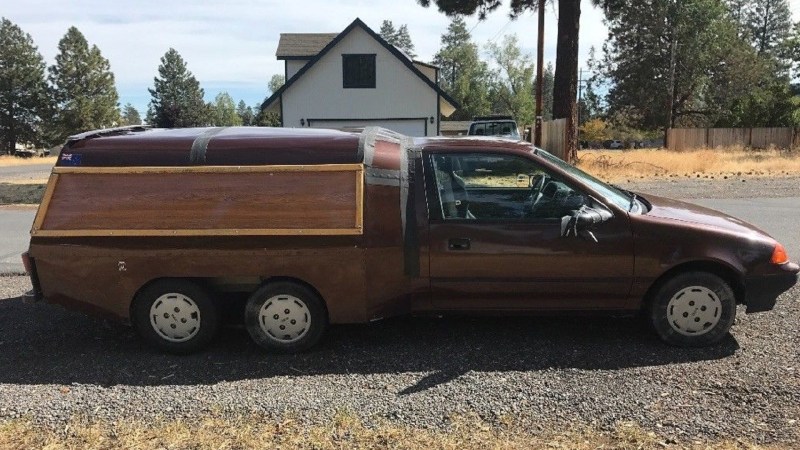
693	309
177	316
285	317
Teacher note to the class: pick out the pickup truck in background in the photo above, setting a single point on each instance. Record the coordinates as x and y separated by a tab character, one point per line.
293	230
499	126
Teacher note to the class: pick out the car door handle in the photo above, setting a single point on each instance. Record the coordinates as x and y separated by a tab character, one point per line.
458	244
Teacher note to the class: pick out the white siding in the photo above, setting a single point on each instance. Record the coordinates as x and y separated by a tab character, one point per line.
398	93
292	66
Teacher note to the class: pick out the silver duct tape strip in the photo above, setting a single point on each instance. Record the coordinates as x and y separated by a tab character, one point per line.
198	153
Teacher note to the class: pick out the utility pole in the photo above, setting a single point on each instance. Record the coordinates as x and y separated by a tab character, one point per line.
537	140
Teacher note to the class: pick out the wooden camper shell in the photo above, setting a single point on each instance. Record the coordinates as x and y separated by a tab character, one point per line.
136	181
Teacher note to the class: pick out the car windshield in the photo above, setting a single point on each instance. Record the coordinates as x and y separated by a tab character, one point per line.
619	197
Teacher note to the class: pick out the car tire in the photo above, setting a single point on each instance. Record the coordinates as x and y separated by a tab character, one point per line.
285	317
693	309
176	316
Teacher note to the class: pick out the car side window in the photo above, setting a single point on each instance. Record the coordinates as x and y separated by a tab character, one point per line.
483	186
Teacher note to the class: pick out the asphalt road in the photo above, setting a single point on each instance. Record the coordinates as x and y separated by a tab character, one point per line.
32	172
776	216
15	224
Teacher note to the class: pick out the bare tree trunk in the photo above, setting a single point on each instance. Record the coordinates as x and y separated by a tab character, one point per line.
565	85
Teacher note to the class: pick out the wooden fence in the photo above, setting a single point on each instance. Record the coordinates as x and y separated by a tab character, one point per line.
554	137
692	138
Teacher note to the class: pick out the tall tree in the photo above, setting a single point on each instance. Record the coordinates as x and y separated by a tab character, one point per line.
462	73
513	88
245	113
83	87
769	24
223	111
712	68
23	91
130	115
399	37
566	74
177	98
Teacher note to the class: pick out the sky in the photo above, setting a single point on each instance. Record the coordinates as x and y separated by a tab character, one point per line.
230	46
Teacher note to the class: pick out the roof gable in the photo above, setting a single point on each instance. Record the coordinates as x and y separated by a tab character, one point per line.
391	48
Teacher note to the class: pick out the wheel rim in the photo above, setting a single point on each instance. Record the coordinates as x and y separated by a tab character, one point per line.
175	317
284	318
694	310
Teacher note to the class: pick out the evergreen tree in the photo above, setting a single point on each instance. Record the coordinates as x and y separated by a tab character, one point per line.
130	115
399	37
23	91
177	98
769	24
223	111
264	118
462	74
83	86
245	113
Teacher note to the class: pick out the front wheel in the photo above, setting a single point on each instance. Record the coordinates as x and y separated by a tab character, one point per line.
693	309
285	317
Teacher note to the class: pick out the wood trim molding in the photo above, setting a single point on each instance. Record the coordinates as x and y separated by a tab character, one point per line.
358	229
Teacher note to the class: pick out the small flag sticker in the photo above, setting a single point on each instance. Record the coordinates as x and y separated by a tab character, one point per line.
70	159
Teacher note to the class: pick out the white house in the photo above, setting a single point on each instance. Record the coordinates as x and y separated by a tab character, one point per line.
356	79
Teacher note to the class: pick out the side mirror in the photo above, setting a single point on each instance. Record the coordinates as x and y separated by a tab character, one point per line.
581	222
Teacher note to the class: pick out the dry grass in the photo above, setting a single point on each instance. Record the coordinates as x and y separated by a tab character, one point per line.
8	161
648	163
343	431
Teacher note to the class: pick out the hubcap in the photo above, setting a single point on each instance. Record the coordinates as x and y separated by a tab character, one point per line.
694	310
175	317
284	318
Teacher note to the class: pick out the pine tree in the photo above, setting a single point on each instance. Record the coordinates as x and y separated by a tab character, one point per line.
547	92
245	113
223	111
130	115
462	74
83	87
399	37
177	98
23	91
769	24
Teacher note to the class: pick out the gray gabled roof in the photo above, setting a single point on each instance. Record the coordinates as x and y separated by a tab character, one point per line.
302	45
338	37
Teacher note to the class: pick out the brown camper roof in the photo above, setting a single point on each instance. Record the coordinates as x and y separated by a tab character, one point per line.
139	146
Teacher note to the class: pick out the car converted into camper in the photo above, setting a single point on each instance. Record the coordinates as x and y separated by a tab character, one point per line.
164	228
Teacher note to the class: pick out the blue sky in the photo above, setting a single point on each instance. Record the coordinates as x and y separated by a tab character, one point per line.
230	46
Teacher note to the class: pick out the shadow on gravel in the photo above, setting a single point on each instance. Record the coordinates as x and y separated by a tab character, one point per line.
44	344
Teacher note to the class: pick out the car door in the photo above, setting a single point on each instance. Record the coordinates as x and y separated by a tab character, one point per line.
496	238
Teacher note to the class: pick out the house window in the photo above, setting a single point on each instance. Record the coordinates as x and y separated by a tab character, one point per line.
358	71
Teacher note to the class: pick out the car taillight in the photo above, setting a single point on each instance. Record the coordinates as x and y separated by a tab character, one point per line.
26	262
779	255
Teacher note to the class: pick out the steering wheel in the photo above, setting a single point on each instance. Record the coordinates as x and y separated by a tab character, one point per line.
539	182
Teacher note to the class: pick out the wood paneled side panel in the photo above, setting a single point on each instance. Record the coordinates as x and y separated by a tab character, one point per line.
281	200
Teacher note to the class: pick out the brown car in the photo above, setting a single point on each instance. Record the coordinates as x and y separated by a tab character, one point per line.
293	230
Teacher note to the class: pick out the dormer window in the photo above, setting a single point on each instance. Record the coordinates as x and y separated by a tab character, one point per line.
358	71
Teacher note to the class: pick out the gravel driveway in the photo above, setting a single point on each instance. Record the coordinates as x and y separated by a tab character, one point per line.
545	372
